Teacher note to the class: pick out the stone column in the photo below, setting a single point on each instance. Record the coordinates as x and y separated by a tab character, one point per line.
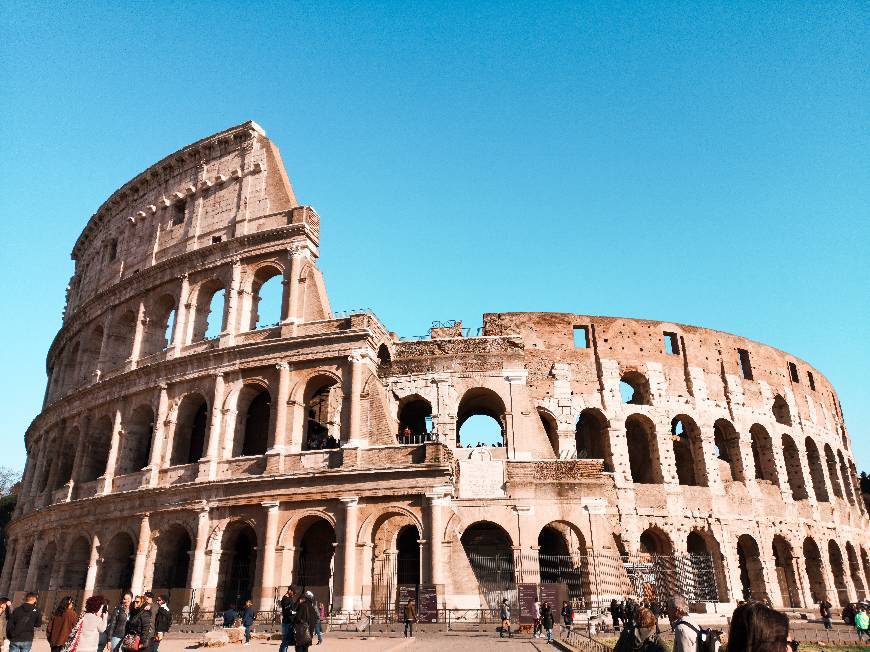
348	556
232	308
436	503
33	566
84	426
280	429
296	253
139	334
183	321
41	460
357	359
112	462
208	465
158	440
137	584
12	550
197	573
15	579
104	347
93	563
803	580
270	539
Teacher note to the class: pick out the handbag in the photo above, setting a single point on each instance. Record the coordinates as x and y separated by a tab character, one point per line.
131	642
72	642
301	634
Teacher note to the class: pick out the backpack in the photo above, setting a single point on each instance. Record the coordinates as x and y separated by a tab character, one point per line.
628	643
707	639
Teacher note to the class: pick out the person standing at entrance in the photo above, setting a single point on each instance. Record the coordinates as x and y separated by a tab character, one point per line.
567	614
825	613
547	620
862	623
118	622
162	621
504	612
289	602
410	617
303	625
248	620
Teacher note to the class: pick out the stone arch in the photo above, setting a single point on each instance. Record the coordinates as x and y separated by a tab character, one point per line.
96	454
781	411
703	580
323	401
191	427
551	428
76	563
856	484
592	435
209	310
289	535
120	341
136	440
384	357
45	570
643	451
838	570
174	545
480	402
751	570
253	420
266	281
855	571
394	534
783	559
831	463
844	474
815	570
489	550
793	469
634	388
727	442
314	540
688	451
116	566
91	349
655	541
238	563
415	417
160	327
817	475
65	462
762	455
562	559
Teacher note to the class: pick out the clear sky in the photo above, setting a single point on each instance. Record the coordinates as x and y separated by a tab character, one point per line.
704	163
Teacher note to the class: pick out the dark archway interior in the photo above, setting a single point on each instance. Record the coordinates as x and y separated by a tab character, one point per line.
408	556
315	555
643	464
256	437
592	438
240	565
415	414
190	432
173	559
117	567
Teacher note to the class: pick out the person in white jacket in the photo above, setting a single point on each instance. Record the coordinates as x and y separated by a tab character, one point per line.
93	624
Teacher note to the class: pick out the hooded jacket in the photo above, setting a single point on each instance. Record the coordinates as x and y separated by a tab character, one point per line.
22	622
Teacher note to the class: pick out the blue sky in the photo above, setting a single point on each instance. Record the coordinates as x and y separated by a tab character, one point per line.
703	163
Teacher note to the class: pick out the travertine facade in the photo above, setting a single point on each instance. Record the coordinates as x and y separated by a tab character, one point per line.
168	458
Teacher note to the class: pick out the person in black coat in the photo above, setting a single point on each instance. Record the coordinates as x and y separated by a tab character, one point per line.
304	623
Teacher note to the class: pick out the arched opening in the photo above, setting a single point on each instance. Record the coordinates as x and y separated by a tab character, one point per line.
209	318
489	550
793	469
654	541
90	353
785	575
847	483
706	580
70	368
865	563
408	556
315	546
238	564
65	462
120	341
643	450
116	570
560	560
172	564
46	566
551	429
480	418
815	573
762	455
188	442
76	564
656	575
751	571
160	326
781	411
592	437
136	444
97	445
856	486
634	388
255	409
727	442
838	570
817	475
266	298
688	451
385	358
855	571
323	400
415	419
831	463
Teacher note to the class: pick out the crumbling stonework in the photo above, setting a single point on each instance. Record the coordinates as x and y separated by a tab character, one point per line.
328	452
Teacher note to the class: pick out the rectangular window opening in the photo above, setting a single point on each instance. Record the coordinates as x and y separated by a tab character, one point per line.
745	366
811	380
793	372
215	239
581	337
672	343
178	213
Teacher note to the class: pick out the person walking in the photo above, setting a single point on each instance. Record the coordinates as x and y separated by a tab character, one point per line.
410	617
685	630
248	616
755	626
140	627
24	619
61	624
504	612
303	625
5	612
536	615
547	621
321	614
162	621
94	622
567	614
117	626
614	613
825	613
289	603
862	623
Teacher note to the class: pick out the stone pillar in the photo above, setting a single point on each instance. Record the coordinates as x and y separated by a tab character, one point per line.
158	440
270	539
280	430
33	566
93	563
41	460
197	573
348	556
8	565
803	580
228	335
137	584
357	359
112	462
104	347
139	334
84	426
208	465
15	579
290	302
436	503
183	321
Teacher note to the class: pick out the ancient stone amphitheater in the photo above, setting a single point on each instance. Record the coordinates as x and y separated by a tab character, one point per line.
192	445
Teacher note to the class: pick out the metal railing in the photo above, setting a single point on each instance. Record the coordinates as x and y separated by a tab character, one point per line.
581	640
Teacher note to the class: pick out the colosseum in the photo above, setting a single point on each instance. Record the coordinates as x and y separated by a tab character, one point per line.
191	445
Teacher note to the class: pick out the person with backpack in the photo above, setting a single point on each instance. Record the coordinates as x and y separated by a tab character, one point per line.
547	621
642	636
688	636
862	623
825	613
504	612
289	604
248	616
162	621
24	619
304	622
